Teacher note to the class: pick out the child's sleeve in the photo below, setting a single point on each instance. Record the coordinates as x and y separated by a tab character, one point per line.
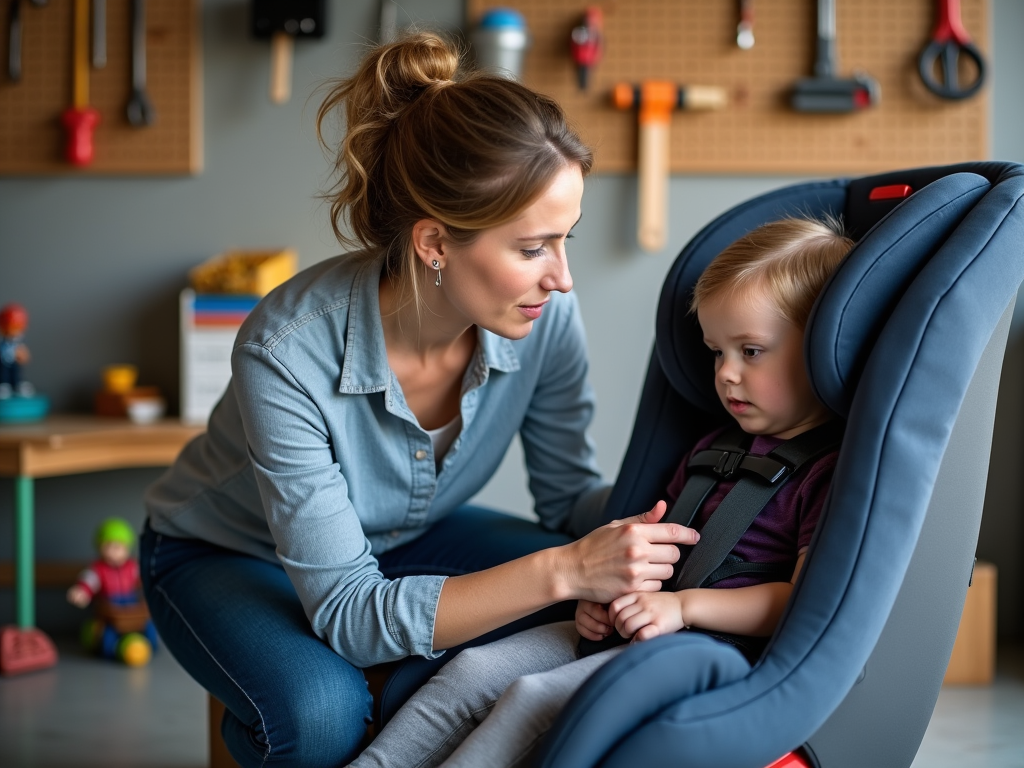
89	580
813	493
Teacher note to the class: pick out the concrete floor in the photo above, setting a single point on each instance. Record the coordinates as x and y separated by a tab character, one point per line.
88	713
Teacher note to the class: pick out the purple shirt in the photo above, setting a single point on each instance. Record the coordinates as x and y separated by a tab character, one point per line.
784	528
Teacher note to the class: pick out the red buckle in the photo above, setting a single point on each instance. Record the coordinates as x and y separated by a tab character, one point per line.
891	192
791	760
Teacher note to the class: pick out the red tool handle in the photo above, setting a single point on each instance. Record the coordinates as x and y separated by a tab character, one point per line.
587	39
949	25
586	43
79	124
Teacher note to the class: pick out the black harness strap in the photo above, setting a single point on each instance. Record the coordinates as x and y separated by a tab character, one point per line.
712	465
734	566
744	502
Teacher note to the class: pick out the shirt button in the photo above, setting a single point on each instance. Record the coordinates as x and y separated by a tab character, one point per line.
420	455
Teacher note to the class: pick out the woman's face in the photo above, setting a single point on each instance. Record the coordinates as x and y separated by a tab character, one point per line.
503	279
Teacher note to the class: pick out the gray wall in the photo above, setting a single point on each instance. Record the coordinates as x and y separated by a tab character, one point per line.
99	263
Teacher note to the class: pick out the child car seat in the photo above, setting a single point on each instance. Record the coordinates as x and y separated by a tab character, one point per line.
906	343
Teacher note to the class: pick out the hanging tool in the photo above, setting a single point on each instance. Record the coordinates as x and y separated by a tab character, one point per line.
14	41
80	119
745	29
655	101
825	92
587	44
140	109
99	34
282	21
950	42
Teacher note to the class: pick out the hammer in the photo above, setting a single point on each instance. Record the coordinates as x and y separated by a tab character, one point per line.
655	100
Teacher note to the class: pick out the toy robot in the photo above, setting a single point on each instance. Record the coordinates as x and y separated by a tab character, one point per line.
122	628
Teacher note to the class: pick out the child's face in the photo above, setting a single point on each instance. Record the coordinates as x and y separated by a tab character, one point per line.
114	553
759	365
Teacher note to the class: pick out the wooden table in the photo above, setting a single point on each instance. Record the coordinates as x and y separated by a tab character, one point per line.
66	445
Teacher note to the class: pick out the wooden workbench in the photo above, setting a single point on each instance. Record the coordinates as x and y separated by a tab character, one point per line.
67	445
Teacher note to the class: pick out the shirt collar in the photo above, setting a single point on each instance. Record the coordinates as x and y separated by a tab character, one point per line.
366	368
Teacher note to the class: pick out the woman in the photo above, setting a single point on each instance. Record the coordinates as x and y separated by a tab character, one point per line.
318	527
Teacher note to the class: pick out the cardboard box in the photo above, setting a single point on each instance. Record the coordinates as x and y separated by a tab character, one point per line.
248	272
973	661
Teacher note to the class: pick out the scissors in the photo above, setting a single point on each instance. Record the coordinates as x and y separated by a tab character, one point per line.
949	42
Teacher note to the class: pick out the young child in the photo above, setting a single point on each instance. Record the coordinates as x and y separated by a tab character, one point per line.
491	705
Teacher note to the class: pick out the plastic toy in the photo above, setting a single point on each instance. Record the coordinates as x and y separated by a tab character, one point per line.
121	398
18	398
121	628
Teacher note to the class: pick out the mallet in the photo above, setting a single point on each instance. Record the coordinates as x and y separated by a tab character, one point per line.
655	100
825	91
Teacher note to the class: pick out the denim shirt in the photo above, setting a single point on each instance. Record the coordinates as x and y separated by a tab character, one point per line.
313	459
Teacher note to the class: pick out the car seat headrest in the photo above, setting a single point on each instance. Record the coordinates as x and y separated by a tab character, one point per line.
855	303
859	298
679	344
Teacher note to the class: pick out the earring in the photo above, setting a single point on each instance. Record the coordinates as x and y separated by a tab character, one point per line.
437	266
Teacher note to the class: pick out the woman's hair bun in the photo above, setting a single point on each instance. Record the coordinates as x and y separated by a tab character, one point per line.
395	74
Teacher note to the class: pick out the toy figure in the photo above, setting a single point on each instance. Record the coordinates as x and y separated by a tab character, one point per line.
13	353
18	399
122	628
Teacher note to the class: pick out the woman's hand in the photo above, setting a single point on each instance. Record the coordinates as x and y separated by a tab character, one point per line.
592	620
631	555
643	615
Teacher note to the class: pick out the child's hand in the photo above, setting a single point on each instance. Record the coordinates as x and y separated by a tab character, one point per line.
592	620
643	615
78	596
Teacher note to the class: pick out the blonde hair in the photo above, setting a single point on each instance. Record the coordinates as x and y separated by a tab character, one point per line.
426	139
788	260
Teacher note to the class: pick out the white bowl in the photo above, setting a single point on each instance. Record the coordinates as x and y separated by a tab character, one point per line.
146	410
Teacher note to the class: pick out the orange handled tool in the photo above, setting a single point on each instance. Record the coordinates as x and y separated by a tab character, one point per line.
656	99
80	119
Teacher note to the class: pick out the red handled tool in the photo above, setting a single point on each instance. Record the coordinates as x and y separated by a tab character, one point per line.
587	44
949	43
80	119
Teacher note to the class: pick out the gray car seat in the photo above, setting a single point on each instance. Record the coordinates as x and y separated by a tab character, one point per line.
906	343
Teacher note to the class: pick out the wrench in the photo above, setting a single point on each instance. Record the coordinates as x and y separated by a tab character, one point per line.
14	42
140	109
99	34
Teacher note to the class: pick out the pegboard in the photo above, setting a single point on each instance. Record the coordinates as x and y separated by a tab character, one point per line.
693	42
32	139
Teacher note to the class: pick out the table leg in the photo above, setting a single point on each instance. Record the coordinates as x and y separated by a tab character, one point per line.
24	554
23	648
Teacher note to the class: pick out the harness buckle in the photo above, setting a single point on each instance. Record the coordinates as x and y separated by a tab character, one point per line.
728	463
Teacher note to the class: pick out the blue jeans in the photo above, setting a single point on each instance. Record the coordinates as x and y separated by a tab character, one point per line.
236	625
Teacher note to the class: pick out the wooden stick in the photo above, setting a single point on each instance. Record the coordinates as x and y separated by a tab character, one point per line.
81	54
281	47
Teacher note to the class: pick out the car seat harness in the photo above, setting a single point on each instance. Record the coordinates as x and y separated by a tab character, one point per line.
710	560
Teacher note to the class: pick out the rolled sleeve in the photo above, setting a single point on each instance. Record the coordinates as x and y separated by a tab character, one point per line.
319	538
